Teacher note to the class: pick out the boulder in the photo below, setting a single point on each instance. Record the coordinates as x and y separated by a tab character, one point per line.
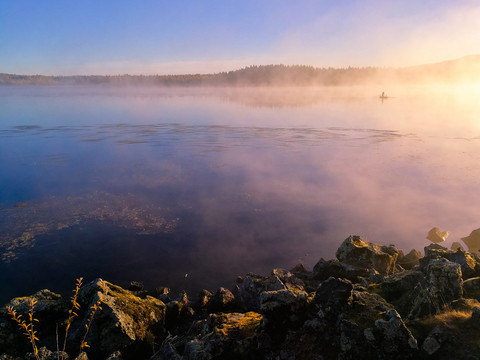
471	288
473	241
203	299
355	251
456	245
324	269
49	309
410	260
398	288
248	289
124	322
288	279
393	338
281	300
178	312
225	336
469	262
435	235
334	294
442	284
222	301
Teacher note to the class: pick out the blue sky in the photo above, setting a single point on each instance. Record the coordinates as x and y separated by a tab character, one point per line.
170	37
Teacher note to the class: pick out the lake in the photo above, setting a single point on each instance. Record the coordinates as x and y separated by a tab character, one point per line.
188	188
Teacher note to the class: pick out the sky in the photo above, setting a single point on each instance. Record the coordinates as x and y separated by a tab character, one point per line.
81	37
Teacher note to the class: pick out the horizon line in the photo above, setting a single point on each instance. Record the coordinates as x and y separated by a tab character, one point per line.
245	67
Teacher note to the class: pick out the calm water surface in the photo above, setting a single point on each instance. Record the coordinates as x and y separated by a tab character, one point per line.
151	185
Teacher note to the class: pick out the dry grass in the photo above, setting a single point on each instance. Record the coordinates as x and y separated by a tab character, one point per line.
28	326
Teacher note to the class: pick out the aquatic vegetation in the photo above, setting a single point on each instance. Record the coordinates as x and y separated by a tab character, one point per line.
21	226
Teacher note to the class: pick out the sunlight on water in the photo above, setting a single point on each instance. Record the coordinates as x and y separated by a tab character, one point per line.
219	183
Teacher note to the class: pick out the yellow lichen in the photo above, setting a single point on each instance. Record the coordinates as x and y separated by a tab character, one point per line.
237	324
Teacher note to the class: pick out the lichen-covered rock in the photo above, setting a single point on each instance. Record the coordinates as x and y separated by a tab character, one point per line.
49	309
469	262
442	284
124	321
225	336
248	289
288	279
355	251
393	337
282	300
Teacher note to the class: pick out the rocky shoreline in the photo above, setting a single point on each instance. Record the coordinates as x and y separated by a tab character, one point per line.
371	302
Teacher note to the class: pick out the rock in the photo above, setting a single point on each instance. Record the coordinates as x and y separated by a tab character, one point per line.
354	251
222	301
162	293
398	288
397	285
464	305
473	241
9	357
471	288
82	356
393	337
442	284
137	289
310	284
469	263
456	246
45	354
282	299
178	311
333	294
226	336
333	268
204	298
435	235
476	316
430	345
445	278
135	286
248	289
117	355
290	281
49	309
125	320
410	260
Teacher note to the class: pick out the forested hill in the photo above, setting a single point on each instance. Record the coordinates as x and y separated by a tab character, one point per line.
466	69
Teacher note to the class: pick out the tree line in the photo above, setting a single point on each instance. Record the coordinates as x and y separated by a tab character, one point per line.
464	69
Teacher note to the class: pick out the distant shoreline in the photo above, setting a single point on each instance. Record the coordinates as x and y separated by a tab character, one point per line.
466	69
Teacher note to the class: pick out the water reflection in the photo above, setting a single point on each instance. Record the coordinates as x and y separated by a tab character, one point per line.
149	187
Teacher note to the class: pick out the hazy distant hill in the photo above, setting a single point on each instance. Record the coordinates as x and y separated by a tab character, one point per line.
465	69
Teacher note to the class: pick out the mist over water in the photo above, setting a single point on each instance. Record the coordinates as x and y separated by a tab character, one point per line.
154	184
